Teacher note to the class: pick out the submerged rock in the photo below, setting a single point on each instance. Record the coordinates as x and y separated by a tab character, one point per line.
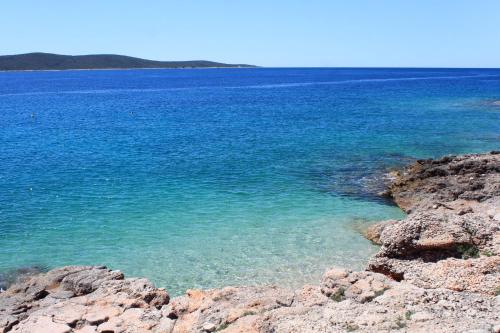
10	277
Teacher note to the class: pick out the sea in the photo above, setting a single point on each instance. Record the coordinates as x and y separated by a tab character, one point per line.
202	178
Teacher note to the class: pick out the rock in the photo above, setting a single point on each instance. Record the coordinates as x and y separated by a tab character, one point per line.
447	179
81	299
422	316
208	327
374	231
87	329
480	275
225	307
41	324
115	325
69	314
99	314
18	276
341	284
437	235
165	325
7	322
439	245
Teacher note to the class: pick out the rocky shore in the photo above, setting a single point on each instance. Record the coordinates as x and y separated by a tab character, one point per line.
437	270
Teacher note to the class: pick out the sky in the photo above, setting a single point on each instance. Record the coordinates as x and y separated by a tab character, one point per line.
274	33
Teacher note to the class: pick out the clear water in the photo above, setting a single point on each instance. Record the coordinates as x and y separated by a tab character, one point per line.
204	178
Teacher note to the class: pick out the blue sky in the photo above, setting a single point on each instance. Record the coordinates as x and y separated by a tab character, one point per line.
420	33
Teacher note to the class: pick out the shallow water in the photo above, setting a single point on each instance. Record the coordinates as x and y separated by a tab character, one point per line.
204	178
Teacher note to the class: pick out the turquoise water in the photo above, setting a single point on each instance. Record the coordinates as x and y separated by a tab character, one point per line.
205	178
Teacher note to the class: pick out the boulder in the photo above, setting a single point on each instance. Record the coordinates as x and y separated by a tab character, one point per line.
340	284
81	299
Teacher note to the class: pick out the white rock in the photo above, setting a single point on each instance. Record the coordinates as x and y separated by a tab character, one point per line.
208	327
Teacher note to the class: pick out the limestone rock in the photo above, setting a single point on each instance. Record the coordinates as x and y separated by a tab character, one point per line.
81	299
41	324
434	182
374	231
451	238
341	284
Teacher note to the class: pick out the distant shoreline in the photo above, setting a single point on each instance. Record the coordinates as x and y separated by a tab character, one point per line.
38	61
117	69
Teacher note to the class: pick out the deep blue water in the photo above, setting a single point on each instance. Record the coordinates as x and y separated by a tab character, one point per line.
203	178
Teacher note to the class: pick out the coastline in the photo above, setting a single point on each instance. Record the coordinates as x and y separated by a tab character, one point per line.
120	69
437	268
35	61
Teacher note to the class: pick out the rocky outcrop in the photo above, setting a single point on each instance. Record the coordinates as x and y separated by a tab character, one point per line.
451	237
95	299
436	271
81	299
435	183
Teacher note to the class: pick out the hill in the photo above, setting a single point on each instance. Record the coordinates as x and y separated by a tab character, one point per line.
49	61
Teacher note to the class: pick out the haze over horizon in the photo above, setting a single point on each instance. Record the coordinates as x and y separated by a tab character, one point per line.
323	33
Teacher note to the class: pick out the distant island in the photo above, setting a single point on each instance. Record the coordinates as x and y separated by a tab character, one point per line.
49	61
